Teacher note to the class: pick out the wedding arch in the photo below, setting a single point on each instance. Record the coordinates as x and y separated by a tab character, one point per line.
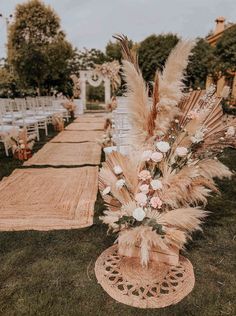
94	78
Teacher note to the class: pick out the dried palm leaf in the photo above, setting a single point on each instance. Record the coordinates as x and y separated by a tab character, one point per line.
171	84
211	168
188	219
128	54
137	103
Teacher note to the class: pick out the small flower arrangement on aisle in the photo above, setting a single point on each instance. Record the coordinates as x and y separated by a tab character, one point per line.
107	139
70	107
22	145
58	122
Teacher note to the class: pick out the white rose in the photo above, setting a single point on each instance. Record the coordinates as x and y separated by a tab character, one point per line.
162	146
120	183
139	214
181	151
197	138
144	188
117	169
106	191
146	155
230	131
22	146
108	150
156	184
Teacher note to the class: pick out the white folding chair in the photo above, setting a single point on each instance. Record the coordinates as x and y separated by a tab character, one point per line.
38	114
5	133
28	122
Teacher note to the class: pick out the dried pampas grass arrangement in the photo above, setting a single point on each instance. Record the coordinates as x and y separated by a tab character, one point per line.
155	197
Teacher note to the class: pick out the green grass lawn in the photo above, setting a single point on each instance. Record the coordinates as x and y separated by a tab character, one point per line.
52	273
94	106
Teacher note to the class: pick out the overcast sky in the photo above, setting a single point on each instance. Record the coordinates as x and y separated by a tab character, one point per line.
91	23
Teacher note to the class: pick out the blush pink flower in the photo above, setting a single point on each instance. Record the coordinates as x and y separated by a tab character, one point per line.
144	175
157	157
141	198
156	202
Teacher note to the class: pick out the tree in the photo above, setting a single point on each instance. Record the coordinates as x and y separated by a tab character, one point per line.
153	52
38	50
86	59
200	64
113	50
225	51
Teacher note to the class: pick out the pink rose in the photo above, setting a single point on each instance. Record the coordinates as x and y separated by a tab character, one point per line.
144	175
156	202
141	198
144	188
157	157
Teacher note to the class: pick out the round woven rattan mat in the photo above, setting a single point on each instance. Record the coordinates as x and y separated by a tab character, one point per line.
156	286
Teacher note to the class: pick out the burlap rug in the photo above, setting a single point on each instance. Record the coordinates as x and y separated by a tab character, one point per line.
78	137
49	198
90	119
85	127
66	154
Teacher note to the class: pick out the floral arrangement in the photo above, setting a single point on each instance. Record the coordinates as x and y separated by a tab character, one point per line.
112	105
22	145
110	70
76	86
58	122
107	140
156	196
70	107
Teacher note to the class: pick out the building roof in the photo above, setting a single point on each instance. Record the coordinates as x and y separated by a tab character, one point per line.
213	38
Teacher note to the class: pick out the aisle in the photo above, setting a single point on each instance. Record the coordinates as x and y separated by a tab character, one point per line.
61	190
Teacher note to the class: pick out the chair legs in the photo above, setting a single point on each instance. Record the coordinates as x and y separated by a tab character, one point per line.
6	148
37	131
32	130
46	128
43	125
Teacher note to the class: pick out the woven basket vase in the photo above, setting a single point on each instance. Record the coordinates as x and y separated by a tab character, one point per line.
155	254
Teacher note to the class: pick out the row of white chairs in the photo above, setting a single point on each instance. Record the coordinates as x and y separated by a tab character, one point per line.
33	114
121	126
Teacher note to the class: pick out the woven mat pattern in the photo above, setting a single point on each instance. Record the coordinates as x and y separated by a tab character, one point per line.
78	137
158	285
45	199
85	127
63	154
90	119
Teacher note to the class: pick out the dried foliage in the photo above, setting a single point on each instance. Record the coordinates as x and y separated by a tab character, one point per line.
153	196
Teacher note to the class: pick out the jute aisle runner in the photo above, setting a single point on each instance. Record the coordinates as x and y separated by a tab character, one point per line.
66	154
85	126
78	137
45	199
90	119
